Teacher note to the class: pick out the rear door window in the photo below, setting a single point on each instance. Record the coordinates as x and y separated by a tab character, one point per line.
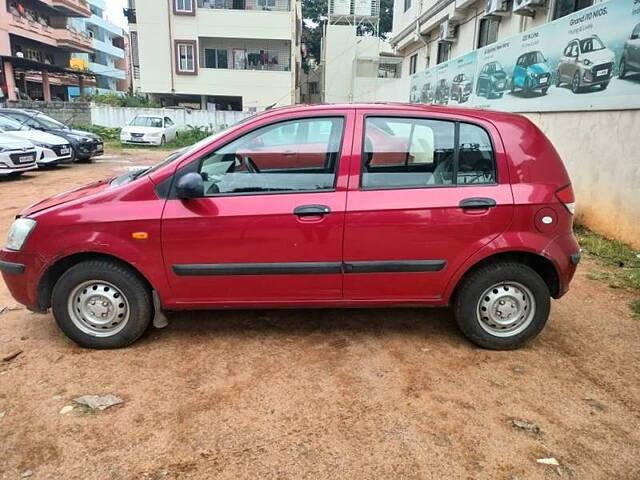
423	153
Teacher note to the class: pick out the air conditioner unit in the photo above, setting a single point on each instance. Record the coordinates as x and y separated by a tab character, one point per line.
448	31
497	7
526	7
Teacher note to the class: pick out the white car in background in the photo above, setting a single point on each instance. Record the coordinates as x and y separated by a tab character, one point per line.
16	155
148	130
51	149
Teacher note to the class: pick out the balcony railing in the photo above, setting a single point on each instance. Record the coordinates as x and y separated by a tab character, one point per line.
34	27
72	8
247	58
264	5
74	40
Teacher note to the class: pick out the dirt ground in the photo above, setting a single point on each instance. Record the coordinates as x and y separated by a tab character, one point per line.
319	394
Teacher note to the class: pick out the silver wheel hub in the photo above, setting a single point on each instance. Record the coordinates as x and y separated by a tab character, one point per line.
98	308
506	309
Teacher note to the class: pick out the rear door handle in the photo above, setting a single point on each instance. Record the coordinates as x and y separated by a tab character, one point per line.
311	210
477	203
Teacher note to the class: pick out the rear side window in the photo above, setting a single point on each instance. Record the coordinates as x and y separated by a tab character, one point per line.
422	153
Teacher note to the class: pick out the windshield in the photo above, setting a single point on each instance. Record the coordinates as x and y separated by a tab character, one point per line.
48	122
591	44
9	124
533	58
139	121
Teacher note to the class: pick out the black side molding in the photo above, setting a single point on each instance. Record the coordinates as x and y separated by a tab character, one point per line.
295	268
395	266
10	267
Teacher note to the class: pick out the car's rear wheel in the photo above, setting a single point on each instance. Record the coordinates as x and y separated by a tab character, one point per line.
502	306
101	304
558	79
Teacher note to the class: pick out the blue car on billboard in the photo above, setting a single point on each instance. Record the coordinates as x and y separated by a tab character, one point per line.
531	73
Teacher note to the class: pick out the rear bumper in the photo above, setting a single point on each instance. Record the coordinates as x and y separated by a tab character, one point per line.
564	252
21	273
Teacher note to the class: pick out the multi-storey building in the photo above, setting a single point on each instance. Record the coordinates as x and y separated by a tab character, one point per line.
108	60
36	45
216	54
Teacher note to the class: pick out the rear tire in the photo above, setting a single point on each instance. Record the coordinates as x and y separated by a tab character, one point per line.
623	68
502	306
575	83
101	304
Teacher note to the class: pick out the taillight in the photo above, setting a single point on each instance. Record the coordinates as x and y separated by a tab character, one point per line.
566	197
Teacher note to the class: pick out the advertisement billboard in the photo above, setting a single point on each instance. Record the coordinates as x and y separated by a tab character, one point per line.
589	60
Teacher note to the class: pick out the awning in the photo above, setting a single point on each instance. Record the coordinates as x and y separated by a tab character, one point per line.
24	63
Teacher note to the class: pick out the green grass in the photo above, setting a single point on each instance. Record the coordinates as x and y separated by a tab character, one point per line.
635	308
623	260
185	138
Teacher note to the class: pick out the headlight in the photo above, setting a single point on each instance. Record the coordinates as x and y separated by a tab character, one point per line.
19	232
79	138
41	145
587	62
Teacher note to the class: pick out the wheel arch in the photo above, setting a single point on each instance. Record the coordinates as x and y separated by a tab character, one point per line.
54	271
542	265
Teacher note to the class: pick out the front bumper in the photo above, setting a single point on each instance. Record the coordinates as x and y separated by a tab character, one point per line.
15	169
598	74
22	273
145	140
49	157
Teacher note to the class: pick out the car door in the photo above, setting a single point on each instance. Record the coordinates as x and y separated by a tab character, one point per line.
568	62
170	128
519	72
409	227
261	237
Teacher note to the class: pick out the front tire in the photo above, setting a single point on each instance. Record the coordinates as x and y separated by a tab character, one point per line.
575	83
163	141
623	68
101	304
502	306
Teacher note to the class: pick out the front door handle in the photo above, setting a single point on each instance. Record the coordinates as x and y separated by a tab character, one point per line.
311	210
477	203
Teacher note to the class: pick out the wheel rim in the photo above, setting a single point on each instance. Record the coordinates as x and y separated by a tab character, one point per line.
576	82
506	309
98	308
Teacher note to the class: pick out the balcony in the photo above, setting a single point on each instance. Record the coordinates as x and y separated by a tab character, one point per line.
264	5
234	24
73	41
71	8
108	48
34	29
107	70
104	24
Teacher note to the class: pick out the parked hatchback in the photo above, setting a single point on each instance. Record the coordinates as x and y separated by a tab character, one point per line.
349	206
630	60
585	63
85	145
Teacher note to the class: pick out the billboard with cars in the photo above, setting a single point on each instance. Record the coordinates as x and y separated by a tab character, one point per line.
589	60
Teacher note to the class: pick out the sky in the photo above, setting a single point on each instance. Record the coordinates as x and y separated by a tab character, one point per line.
114	12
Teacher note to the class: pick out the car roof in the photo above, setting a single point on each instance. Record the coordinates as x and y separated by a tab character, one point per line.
418	108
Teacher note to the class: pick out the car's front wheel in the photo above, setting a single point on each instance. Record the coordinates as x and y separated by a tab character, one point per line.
575	83
101	304
163	141
623	68
502	306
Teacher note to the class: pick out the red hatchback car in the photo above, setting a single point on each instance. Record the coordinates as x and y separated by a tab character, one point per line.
313	206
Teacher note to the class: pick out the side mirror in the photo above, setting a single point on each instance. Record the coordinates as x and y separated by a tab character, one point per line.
190	185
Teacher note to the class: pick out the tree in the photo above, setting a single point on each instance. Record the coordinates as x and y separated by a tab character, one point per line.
314	14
